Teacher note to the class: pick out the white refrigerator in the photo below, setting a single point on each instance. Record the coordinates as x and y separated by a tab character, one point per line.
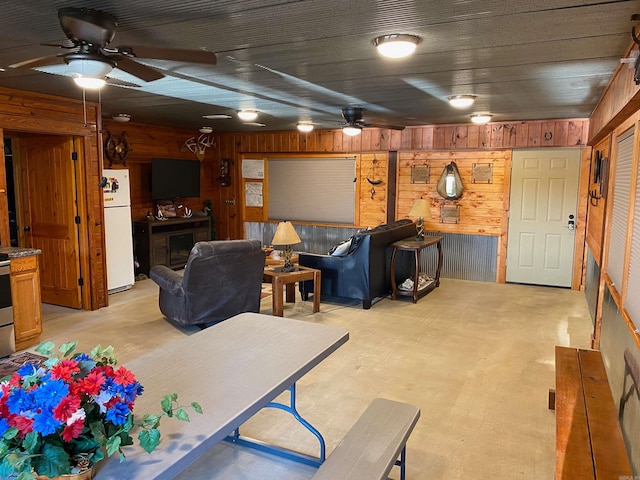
118	230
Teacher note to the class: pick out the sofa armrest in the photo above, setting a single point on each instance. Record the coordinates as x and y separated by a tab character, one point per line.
167	279
314	260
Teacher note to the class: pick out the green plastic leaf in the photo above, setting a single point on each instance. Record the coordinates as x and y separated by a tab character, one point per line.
46	348
149	439
30	442
11	433
182	415
54	461
151	420
113	444
196	407
68	348
167	404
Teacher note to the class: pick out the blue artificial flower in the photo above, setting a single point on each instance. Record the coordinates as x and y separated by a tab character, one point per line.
4	426
20	401
131	391
81	357
44	423
49	394
28	369
118	413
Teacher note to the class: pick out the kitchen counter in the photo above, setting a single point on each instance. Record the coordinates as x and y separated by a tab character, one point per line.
17	252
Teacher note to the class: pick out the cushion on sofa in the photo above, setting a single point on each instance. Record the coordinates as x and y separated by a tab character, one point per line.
341	249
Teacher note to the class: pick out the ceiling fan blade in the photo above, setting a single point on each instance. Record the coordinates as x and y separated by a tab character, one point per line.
174	54
381	125
120	83
136	69
39	62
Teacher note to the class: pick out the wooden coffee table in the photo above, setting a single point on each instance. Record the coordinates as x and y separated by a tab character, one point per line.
278	279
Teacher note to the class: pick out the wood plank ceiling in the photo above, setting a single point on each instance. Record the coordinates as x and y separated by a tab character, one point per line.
306	59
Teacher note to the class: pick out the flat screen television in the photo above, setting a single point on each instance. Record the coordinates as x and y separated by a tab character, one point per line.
172	178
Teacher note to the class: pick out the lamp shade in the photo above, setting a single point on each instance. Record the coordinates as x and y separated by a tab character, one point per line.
420	209
285	235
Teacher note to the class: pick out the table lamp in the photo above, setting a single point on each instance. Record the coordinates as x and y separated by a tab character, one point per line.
421	210
286	236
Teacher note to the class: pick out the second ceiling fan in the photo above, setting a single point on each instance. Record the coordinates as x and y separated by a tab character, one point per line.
354	121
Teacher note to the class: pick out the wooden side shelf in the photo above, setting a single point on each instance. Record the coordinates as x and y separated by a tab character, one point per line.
168	242
411	244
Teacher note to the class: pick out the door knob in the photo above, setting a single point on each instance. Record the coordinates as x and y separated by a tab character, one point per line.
571	224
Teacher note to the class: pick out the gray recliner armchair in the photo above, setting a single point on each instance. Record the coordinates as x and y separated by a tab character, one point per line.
221	279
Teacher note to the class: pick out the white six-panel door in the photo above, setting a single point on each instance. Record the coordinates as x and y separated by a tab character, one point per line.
544	194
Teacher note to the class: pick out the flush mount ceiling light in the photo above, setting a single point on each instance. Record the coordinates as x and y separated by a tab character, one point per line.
481	118
305	127
396	45
217	116
254	124
461	101
121	117
88	72
205	130
352	130
248	115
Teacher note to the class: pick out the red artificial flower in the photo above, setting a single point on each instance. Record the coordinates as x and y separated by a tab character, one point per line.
123	377
72	431
23	424
65	369
67	407
91	383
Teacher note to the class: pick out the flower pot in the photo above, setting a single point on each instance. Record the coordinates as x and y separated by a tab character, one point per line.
86	475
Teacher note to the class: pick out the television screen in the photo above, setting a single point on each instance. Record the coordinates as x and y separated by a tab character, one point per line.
172	178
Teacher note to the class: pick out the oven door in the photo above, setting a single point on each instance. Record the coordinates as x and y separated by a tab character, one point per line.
7	336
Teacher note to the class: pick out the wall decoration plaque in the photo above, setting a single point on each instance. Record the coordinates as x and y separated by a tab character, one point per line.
420	173
450	214
482	173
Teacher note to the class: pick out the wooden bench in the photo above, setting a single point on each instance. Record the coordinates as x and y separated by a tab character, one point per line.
372	446
589	442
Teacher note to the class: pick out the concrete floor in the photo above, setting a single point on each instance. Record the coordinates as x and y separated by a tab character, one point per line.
477	358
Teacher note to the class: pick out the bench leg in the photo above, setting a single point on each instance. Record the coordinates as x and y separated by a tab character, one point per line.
402	462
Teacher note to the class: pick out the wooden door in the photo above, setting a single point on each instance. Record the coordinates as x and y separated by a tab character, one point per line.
543	202
48	212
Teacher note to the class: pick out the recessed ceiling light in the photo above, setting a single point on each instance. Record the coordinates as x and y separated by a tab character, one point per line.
121	117
217	116
205	129
305	127
396	45
248	115
481	118
254	124
461	101
352	130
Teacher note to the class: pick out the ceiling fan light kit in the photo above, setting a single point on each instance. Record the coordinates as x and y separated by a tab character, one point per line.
247	115
305	127
461	101
205	130
396	45
481	118
352	130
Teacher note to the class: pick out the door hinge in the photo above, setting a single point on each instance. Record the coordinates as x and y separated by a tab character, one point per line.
81	281
74	156
77	219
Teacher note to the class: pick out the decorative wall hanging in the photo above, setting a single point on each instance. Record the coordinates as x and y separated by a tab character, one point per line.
420	173
482	173
198	145
450	184
371	177
599	166
116	148
225	172
450	214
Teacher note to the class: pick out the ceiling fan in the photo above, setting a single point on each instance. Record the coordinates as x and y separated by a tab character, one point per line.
354	121
89	32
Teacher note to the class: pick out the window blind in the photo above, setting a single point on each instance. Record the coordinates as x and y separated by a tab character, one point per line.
632	299
620	210
312	189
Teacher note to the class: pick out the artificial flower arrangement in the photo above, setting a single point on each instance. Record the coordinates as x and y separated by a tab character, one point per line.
68	414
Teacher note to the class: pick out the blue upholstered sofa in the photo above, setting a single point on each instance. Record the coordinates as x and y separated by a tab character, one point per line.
362	270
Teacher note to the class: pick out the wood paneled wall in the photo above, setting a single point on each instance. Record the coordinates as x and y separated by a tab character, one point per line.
482	204
597	206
